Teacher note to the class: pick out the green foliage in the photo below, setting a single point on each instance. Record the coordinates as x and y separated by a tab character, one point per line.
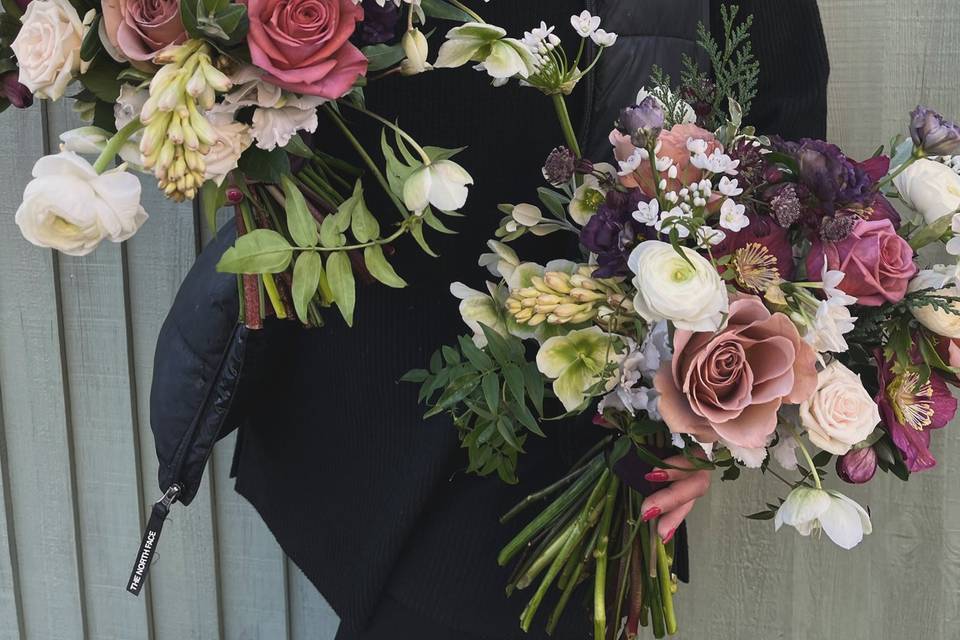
264	166
383	56
443	10
260	251
300	222
342	284
306	280
221	21
491	393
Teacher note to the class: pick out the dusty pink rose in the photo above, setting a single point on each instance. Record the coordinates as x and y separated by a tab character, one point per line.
673	145
303	45
877	262
730	384
139	29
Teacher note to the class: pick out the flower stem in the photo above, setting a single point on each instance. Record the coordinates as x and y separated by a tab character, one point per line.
666	592
115	143
470	12
564	116
917	155
403	134
600	574
374	169
806	456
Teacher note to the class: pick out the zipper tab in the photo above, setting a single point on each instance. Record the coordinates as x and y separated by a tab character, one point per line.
151	535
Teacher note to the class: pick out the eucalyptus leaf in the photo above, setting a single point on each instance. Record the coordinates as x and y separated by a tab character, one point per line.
260	251
306	279
342	283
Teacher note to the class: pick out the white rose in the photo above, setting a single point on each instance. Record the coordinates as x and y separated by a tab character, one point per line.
840	413
939	321
71	208
688	292
233	138
48	47
931	188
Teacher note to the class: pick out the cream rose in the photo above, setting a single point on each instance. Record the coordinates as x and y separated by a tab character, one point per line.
931	188
939	321
68	206
840	413
48	47
688	292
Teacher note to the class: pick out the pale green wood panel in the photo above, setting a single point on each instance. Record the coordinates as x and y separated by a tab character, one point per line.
12	627
39	456
311	618
183	591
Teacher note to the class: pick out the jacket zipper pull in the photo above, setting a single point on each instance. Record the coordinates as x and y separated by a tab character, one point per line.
148	545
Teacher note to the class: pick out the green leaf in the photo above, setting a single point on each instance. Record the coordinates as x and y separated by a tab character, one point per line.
91	45
450	355
497	345
439	153
526	418
101	78
260	251
762	515
506	431
477	358
533	380
302	226
362	223
416	230
230	18
11	8
212	197
491	391
306	279
553	201
380	269
188	15
383	56
264	166
822	458
298	147
435	223
416	376
329	236
340	276
731	473
514	378
397	172
444	10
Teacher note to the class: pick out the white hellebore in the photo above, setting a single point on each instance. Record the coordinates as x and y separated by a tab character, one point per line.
415	48
843	520
478	308
68	206
687	292
930	188
502	262
940	279
840	413
442	184
501	57
48	47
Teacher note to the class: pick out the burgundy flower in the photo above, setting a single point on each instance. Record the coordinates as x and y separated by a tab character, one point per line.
768	234
910	410
857	466
877	262
15	93
611	234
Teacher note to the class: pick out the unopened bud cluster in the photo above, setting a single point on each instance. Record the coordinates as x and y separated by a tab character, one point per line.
177	134
563	298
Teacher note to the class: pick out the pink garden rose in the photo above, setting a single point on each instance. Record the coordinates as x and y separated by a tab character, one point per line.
139	29
877	262
673	145
303	45
730	384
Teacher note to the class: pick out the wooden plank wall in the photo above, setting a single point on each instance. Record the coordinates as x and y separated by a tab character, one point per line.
77	468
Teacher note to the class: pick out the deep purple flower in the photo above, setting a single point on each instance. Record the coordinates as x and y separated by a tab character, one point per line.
642	122
933	133
379	23
15	93
611	232
910	410
857	466
829	174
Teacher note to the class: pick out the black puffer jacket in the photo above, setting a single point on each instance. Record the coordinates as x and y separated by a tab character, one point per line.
368	500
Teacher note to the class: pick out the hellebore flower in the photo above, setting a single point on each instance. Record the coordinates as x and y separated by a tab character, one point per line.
910	410
502	57
934	134
576	362
857	466
843	520
442	184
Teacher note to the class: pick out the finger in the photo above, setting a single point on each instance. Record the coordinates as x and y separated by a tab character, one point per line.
669	522
684	490
671	475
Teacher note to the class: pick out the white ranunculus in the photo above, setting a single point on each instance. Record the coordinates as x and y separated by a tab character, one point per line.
274	127
48	47
843	520
688	292
71	208
442	184
940	278
840	413
930	188
233	138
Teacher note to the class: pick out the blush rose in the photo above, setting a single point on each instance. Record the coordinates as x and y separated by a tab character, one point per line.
139	29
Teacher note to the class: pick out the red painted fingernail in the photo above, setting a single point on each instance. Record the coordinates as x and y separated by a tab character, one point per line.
667	538
651	513
657	475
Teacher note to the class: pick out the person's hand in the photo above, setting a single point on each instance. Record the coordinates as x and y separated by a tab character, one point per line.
673	503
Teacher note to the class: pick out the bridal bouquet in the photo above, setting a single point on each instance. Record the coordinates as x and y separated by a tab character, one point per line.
737	298
217	100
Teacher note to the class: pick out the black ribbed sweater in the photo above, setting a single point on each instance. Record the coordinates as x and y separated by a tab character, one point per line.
367	499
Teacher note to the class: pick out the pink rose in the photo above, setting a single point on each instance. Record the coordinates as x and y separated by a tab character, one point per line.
730	384
877	263
303	45
673	145
139	29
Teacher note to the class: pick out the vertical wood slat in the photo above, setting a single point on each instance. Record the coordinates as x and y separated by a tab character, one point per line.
35	421
10	600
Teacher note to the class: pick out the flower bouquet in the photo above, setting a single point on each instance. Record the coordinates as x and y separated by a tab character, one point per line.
737	298
217	99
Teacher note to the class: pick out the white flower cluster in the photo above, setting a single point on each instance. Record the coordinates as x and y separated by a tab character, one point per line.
588	26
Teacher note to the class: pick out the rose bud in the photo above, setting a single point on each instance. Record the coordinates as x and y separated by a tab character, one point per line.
932	133
17	94
857	466
642	122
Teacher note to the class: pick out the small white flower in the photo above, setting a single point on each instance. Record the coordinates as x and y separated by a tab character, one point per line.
785	452
830	324
633	163
478	308
716	162
831	282
647	213
128	106
696	146
808	510
728	187
664	163
585	24
750	457
708	237
250	90
602	38
733	216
